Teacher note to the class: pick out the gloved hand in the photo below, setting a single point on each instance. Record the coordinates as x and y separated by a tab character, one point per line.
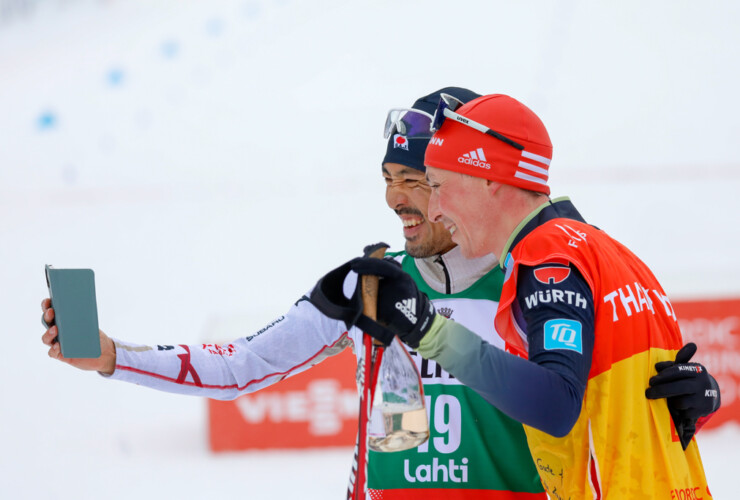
329	297
402	307
690	390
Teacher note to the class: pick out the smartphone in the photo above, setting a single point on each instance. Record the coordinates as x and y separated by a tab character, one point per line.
72	293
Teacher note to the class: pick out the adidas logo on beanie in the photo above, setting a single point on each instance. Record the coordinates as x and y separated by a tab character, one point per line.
463	149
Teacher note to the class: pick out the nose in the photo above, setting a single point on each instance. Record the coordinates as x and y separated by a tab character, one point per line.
433	212
395	196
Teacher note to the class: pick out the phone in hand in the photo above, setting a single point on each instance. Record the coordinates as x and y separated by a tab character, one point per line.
72	293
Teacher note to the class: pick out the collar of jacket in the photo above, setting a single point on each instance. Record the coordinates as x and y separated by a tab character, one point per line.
454	269
559	208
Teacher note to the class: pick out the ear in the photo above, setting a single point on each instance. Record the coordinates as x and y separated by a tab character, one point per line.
493	187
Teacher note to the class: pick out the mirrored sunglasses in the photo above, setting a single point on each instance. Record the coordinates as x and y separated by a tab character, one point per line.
409	122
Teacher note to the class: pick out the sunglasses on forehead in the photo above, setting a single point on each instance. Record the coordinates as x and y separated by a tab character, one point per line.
446	109
409	122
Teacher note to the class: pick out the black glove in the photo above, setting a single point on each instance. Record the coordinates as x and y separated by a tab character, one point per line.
328	297
689	388
402	307
403	310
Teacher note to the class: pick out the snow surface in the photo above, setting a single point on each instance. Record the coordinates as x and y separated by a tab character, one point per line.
213	158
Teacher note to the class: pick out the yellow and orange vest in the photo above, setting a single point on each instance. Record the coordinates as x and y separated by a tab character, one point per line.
623	446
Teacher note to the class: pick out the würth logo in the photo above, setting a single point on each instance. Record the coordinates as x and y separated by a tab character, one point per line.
475	158
407	307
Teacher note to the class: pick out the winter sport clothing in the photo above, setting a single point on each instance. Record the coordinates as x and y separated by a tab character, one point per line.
622	445
693	392
402	308
474	449
408	148
460	148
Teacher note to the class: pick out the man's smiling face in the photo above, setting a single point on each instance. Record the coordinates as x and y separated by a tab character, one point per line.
466	206
407	194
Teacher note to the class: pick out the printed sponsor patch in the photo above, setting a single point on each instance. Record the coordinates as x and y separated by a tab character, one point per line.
132	348
263	330
400	141
446	312
475	158
556	296
226	350
564	334
407	308
552	274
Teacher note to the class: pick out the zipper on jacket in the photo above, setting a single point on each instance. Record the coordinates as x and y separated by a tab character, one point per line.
448	287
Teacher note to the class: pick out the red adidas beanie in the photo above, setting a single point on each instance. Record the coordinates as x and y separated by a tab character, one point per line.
463	149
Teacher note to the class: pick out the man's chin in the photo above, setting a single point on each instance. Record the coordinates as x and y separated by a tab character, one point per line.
424	250
416	250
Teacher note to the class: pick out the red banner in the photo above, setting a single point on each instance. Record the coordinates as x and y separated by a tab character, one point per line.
714	326
319	406
312	409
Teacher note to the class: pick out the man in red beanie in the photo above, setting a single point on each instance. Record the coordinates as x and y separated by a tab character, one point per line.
585	319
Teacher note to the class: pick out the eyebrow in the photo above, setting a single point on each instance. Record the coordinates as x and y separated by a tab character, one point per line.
404	171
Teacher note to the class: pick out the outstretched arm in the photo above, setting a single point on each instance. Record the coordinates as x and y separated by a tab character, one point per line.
286	346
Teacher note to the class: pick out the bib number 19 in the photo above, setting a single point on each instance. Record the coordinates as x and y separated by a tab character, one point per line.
445	420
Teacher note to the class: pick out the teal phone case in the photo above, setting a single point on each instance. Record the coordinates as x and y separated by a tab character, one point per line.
72	294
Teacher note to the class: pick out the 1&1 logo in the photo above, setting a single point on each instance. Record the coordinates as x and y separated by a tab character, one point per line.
564	334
